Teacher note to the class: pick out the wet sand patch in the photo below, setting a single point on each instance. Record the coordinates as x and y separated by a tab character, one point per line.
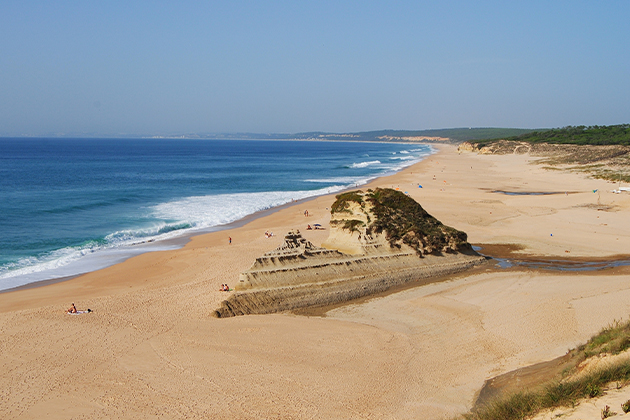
508	256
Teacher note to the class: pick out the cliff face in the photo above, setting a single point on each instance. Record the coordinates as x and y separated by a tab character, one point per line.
296	261
386	221
501	147
378	240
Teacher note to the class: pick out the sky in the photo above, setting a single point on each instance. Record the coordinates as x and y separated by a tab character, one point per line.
169	67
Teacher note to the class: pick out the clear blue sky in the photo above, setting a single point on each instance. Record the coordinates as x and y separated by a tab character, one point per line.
289	66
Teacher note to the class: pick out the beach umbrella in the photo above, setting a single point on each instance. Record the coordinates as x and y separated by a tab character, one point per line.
316	224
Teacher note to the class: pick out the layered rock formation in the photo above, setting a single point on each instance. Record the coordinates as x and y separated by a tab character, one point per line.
378	240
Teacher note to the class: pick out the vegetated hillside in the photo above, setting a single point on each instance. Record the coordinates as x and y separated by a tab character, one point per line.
524	395
455	135
581	135
447	135
600	151
401	219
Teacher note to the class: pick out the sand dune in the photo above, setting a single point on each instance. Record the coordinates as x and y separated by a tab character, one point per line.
151	349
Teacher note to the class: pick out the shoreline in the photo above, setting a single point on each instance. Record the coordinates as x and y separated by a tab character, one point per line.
150	347
180	241
185	240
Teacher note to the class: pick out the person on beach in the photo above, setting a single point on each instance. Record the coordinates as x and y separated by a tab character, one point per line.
73	309
309	227
230	240
305	213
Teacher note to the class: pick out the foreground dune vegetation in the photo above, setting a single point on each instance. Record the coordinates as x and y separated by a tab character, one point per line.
569	389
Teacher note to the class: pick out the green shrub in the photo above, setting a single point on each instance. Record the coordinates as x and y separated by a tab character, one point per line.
352	225
607	413
342	203
612	339
594	135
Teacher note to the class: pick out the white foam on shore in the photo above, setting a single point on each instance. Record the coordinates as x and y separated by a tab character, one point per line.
345	180
179	218
365	164
215	210
176	219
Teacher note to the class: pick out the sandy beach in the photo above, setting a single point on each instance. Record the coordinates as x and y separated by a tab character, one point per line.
151	349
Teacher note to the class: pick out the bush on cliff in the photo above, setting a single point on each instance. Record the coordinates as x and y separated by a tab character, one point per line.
402	220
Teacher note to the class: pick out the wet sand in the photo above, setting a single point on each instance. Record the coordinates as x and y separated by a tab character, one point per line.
151	349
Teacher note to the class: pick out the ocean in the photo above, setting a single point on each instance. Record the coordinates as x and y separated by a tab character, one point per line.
70	206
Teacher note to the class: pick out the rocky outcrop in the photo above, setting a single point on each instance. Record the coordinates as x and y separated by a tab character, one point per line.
373	246
501	147
468	147
385	221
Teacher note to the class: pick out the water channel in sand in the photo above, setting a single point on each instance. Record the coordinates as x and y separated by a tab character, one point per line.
548	263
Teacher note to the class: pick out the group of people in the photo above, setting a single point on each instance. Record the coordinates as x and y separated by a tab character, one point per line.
224	288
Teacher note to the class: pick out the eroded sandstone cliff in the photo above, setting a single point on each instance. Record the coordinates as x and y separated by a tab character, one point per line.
378	239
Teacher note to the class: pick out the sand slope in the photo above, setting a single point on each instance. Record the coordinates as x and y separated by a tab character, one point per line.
151	349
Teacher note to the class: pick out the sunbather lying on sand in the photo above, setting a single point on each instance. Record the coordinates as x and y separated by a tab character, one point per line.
73	310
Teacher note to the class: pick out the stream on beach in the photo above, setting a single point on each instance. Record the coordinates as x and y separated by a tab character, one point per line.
510	260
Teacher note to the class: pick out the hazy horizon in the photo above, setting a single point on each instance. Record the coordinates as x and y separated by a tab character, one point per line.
143	68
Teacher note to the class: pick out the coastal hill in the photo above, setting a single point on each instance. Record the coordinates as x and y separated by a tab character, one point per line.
442	135
610	162
378	239
580	135
600	151
385	221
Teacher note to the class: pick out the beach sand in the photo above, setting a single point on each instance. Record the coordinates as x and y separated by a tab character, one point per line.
151	349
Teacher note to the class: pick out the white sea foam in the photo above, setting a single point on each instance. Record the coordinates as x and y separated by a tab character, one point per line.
67	262
177	218
215	210
365	164
347	180
70	261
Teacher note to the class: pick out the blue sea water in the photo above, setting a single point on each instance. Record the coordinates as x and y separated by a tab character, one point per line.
69	206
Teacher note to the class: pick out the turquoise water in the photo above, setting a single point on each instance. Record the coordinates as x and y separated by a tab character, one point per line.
71	206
